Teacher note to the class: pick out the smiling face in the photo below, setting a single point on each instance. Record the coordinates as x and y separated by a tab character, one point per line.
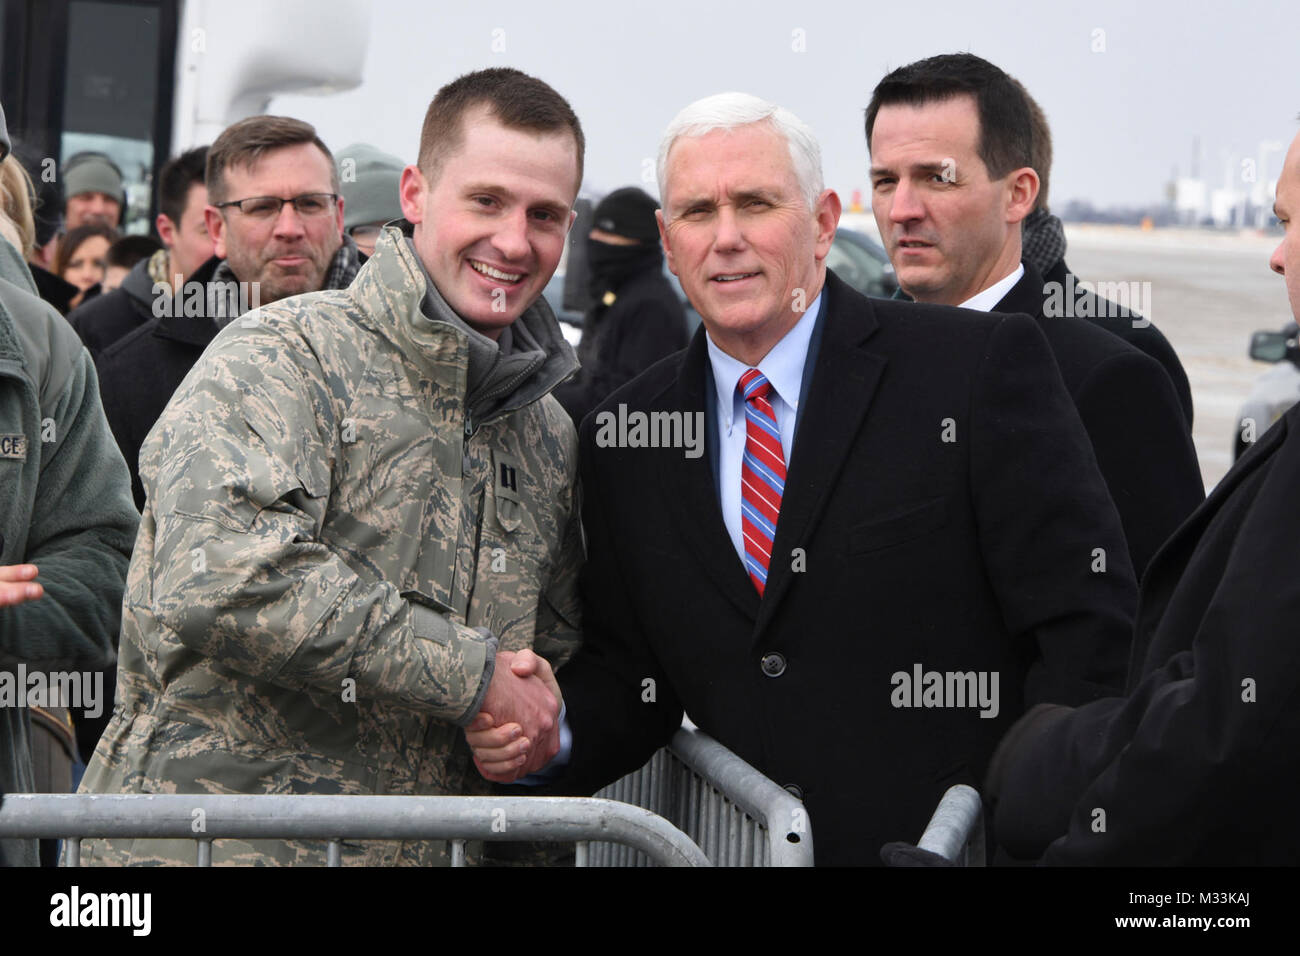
1285	260
738	232
949	229
289	254
491	228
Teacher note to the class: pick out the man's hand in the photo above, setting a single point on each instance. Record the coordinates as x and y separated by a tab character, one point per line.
503	752
525	698
18	584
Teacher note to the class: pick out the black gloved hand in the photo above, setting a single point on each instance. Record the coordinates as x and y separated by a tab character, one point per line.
1031	723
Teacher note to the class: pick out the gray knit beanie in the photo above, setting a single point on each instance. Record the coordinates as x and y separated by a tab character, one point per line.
369	179
93	173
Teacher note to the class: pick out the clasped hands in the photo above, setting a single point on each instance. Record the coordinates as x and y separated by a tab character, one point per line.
518	730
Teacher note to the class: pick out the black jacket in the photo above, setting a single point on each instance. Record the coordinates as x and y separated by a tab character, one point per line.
108	317
1200	764
55	290
645	323
1131	411
139	372
895	547
1145	337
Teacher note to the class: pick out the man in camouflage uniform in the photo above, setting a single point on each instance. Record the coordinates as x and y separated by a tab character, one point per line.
361	506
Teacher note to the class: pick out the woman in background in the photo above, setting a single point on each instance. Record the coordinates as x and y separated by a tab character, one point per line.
82	259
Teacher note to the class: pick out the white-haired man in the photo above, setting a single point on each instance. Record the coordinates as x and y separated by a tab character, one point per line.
869	513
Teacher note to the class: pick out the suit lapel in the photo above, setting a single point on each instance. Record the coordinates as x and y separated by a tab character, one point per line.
845	377
690	489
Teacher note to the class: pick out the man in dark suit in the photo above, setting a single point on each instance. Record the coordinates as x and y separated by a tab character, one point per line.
950	140
944	550
1200	764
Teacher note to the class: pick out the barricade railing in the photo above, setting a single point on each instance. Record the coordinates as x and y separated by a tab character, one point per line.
332	819
956	830
737	816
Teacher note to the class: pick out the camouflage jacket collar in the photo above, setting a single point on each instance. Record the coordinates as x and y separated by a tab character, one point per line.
392	288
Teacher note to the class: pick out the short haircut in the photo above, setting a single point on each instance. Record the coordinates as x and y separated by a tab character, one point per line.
175	179
246	142
516	100
1041	149
727	111
1006	130
73	240
126	251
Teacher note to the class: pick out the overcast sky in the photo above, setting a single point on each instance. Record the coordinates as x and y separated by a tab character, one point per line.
1126	85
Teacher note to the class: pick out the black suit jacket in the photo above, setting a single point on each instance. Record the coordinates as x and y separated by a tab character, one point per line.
1144	336
1200	764
1131	411
894	548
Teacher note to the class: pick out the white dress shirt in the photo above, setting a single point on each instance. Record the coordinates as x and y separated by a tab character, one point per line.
986	300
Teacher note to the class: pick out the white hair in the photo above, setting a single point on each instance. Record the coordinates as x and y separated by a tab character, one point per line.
727	111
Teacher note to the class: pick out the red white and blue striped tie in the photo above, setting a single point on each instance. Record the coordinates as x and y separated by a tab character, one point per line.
762	476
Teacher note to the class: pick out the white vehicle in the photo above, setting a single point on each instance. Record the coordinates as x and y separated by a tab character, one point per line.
1275	391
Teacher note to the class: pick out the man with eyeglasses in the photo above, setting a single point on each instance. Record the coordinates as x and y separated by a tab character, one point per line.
276	220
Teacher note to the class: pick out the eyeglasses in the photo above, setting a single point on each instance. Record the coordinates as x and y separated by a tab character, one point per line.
308	205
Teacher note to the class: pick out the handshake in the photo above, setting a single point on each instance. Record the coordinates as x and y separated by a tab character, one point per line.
518	730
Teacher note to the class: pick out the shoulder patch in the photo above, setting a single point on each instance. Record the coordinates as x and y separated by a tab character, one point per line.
13	447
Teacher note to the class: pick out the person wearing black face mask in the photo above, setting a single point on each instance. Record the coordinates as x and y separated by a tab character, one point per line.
637	319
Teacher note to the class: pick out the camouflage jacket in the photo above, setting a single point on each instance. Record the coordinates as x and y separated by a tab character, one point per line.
324	533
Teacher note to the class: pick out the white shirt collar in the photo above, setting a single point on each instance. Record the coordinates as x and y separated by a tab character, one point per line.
986	300
782	366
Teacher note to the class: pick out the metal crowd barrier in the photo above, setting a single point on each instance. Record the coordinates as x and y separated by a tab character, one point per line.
694	803
956	830
737	816
334	818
